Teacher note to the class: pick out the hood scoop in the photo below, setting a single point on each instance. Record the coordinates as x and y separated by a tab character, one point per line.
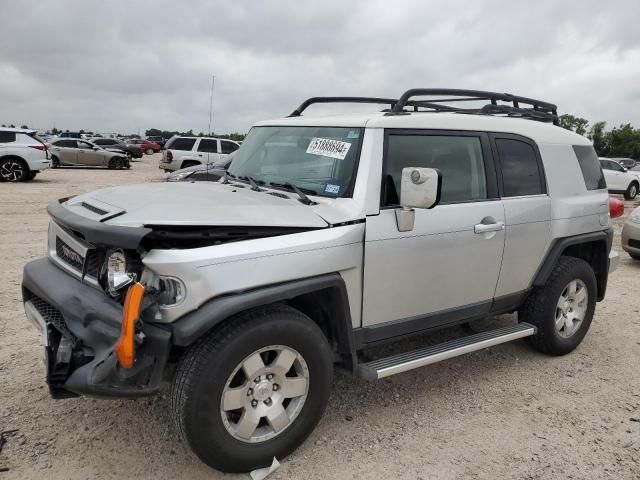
94	209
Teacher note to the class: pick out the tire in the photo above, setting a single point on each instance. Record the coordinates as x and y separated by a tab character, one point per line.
189	163
208	369
557	333
116	163
149	151
632	191
32	175
55	162
634	256
13	170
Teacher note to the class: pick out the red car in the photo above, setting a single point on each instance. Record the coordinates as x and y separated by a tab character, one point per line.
147	146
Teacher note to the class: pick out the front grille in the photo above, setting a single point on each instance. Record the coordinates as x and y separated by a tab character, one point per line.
69	255
95	259
53	316
634	243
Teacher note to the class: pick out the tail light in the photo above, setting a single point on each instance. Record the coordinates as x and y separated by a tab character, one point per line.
39	147
169	156
616	208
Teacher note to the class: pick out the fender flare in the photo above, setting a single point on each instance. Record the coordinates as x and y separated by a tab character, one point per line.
189	328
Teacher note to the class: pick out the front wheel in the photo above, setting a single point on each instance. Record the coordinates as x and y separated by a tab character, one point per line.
631	192
563	308
116	163
149	151
254	389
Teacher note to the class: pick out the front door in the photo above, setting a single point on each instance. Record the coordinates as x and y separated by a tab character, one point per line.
208	150
447	267
87	155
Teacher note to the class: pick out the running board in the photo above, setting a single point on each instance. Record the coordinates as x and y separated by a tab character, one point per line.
402	362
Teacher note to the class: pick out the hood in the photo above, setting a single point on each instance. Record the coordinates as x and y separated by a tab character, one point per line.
114	149
195	204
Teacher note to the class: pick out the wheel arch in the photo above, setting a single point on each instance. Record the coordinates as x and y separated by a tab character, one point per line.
322	298
592	247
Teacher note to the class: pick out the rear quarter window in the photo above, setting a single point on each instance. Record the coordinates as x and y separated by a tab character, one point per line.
590	166
182	144
7	137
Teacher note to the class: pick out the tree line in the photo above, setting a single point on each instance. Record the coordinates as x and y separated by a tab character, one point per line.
622	141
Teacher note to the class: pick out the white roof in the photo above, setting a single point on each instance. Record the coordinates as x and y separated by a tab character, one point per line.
18	130
540	132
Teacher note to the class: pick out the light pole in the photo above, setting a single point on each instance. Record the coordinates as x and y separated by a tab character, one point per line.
213	79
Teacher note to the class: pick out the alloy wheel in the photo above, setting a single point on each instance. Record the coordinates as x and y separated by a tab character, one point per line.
12	171
571	308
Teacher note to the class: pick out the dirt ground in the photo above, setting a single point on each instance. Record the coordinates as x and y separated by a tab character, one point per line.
506	412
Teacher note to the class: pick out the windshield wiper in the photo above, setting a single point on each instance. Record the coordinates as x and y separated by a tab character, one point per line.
303	198
253	182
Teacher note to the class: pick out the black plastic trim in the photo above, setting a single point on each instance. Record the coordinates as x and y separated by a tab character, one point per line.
97	233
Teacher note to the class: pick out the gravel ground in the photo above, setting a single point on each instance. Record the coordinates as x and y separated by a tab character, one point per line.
507	412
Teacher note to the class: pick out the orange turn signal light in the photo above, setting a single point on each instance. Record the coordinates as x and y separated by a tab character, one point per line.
125	348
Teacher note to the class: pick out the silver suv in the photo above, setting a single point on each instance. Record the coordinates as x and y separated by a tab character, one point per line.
327	235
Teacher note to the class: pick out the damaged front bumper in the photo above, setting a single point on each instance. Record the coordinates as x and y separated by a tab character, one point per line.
80	326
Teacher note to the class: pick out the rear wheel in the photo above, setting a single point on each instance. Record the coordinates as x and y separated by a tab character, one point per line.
32	175
254	389
631	192
149	151
563	308
13	170
55	162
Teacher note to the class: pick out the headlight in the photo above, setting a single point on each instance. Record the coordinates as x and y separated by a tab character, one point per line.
117	275
635	216
176	177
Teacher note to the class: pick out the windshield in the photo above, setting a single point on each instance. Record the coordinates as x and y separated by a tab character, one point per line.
319	160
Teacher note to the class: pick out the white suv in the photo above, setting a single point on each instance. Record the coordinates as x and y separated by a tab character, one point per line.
619	179
183	152
328	235
22	155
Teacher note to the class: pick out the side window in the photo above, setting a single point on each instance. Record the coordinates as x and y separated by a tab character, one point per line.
458	158
66	143
228	147
617	167
520	170
85	145
207	145
183	143
590	166
7	137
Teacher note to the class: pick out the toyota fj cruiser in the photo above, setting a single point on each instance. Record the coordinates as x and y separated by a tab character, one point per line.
327	235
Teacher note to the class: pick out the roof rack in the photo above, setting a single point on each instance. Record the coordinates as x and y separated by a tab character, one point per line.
539	110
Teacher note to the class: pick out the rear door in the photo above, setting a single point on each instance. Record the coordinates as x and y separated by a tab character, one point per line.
66	151
527	207
227	147
613	175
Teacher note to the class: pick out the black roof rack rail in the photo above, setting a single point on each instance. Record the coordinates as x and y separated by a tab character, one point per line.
310	101
542	111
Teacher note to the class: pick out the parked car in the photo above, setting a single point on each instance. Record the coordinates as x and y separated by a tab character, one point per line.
70	135
134	150
631	234
206	172
22	155
333	233
619	180
147	146
76	152
157	139
183	152
627	163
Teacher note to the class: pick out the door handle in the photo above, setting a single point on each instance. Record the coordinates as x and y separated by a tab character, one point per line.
488	227
199	154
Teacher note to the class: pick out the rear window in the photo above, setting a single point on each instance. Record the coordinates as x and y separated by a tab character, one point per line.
7	137
181	143
206	145
228	147
590	166
520	171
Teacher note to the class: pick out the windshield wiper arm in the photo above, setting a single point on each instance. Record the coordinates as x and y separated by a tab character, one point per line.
253	182
303	197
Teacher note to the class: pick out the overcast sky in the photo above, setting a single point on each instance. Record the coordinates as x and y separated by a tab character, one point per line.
124	66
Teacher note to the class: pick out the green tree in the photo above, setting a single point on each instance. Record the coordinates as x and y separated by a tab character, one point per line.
598	136
576	124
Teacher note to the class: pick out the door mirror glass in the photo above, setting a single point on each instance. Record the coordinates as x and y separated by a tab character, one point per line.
420	187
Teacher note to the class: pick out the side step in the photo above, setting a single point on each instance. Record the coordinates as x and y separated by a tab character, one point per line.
402	362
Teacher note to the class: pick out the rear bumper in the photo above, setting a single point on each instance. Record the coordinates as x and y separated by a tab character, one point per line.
39	165
80	326
168	167
631	238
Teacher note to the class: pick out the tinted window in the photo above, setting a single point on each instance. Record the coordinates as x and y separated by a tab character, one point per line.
207	145
520	169
6	137
590	166
85	145
228	147
459	160
182	143
65	143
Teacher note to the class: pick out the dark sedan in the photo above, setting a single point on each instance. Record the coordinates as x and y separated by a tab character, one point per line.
134	150
211	172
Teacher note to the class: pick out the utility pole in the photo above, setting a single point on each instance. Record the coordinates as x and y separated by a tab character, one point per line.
213	79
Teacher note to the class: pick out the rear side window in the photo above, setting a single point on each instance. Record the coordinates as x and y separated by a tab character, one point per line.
521	173
590	166
7	137
228	147
66	143
181	143
207	145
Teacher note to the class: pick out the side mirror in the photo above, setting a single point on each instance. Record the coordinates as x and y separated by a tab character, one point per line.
419	188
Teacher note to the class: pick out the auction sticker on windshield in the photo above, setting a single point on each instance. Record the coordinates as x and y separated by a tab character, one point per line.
328	148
